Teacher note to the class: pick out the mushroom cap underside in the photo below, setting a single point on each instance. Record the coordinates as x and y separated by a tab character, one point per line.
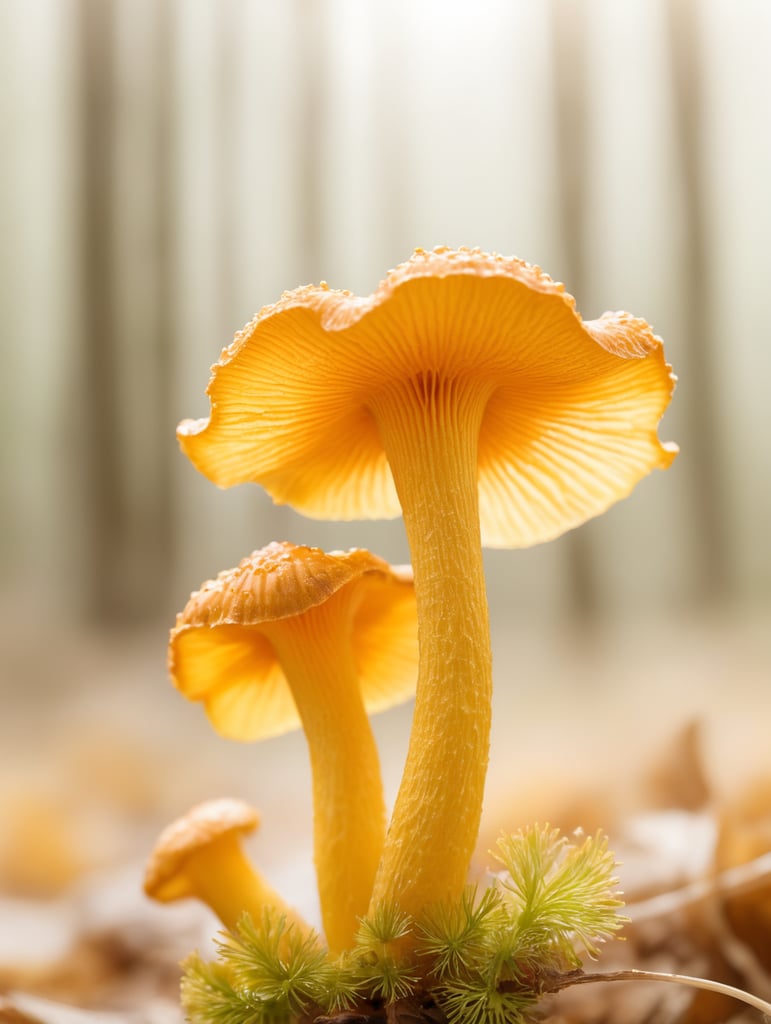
219	654
571	408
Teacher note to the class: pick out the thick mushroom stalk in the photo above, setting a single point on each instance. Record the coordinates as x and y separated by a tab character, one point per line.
199	856
293	631
430	432
471	394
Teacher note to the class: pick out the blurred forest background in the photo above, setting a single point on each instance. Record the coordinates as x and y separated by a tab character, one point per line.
169	166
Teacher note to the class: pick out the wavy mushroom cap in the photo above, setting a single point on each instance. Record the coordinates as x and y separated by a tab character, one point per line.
569	427
202	826
218	653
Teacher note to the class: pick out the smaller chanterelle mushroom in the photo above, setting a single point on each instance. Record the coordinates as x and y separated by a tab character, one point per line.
291	636
200	856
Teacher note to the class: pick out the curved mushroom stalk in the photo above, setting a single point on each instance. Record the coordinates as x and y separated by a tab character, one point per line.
294	635
221	877
349	816
199	856
430	435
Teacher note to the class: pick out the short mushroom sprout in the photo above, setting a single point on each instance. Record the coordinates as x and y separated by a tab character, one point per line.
199	856
296	635
468	390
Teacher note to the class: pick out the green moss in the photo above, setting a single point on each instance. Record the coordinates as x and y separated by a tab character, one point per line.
485	960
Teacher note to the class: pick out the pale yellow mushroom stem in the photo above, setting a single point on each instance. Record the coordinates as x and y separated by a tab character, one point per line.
430	430
221	876
316	655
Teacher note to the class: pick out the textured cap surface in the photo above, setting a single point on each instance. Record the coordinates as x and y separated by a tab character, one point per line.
219	653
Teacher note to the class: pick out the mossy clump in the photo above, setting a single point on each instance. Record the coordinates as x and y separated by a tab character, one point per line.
486	959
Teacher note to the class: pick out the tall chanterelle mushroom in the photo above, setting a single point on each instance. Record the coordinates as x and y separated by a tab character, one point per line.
465	388
294	634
